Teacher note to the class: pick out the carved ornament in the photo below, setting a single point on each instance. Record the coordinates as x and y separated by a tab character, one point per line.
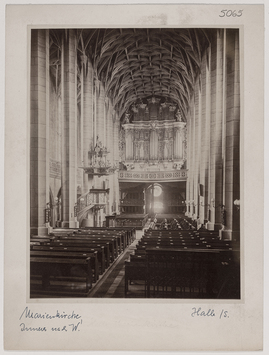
172	108
143	106
179	116
134	109
153	100
153	125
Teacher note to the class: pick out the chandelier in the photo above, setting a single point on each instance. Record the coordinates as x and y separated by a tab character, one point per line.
100	165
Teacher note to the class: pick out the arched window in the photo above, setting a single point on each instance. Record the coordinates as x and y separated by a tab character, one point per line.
157	190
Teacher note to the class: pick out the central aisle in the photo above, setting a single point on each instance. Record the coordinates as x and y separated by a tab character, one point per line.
112	283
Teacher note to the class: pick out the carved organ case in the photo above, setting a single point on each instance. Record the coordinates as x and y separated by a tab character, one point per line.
155	139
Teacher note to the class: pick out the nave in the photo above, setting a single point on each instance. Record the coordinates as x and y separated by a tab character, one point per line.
135	129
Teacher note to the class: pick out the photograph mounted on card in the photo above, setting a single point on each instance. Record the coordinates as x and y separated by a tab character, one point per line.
134	135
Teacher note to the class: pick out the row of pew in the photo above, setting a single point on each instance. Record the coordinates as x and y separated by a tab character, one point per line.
69	262
173	224
137	221
184	264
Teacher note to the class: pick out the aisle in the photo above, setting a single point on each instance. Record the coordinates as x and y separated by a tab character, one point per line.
112	283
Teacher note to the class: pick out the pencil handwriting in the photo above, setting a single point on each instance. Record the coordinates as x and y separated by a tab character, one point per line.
233	13
49	322
199	312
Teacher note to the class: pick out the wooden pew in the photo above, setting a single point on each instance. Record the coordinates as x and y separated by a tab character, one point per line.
101	245
118	238
171	273
127	232
189	242
168	234
71	255
134	271
79	244
107	243
53	269
61	248
169	244
39	239
191	272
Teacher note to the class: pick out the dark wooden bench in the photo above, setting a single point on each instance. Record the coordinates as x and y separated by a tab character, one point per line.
134	271
39	239
71	255
128	233
170	244
78	244
64	249
111	242
60	274
169	232
209	257
117	240
172	273
127	236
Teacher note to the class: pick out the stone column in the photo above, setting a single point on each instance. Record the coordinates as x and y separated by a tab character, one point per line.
86	116
176	143
129	136
208	133
232	162
197	148
199	158
180	139
116	128
188	129
100	129
205	136
109	131
165	149
100	106
153	145
216	165
69	128
192	160
109	139
39	161
152	200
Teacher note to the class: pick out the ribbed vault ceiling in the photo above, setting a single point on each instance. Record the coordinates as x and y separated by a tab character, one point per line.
137	63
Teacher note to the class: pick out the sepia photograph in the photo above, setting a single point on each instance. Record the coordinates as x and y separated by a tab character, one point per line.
135	169
135	173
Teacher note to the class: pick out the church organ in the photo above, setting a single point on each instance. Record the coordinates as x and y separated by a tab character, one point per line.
155	139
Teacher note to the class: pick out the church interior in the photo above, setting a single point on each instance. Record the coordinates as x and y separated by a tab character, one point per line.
135	163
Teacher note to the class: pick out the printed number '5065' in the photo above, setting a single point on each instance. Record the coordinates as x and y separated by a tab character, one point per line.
229	13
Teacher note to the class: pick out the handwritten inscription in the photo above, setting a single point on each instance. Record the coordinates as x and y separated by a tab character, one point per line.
32	329
233	13
67	318
210	313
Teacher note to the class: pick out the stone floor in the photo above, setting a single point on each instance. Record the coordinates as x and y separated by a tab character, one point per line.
111	284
